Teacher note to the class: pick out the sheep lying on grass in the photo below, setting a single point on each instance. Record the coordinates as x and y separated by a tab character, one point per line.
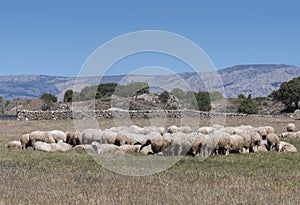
14	145
286	147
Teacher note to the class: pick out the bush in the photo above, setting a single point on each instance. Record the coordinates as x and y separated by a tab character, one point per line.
68	96
248	106
179	93
203	100
164	97
49	99
288	94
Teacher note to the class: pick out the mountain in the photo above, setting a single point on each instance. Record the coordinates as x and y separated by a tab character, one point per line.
259	80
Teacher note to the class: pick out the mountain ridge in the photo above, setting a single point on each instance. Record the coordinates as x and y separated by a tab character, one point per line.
257	79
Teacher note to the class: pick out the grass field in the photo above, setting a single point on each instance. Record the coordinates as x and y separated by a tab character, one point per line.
31	177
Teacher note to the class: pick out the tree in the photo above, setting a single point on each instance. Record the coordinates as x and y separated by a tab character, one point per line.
49	99
248	106
203	100
215	95
68	96
288	94
164	97
1	100
179	93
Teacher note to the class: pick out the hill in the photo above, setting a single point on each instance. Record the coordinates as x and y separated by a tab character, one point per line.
259	80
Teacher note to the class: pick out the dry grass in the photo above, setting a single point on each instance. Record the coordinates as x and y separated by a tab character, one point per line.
29	177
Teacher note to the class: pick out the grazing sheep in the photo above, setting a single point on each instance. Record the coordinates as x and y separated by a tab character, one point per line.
185	129
205	130
149	129
291	127
159	144
24	139
90	135
127	138
57	135
236	143
255	141
74	138
297	134
130	149
198	146
286	147
273	141
223	145
263	131
39	136
172	129
14	145
270	129
146	150
230	130
262	147
106	148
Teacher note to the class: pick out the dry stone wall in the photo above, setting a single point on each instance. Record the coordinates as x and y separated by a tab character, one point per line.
108	114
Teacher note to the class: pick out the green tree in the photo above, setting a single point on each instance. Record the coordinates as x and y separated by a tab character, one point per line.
288	94
1	100
179	93
164	97
248	106
105	90
215	95
49	100
68	96
203	101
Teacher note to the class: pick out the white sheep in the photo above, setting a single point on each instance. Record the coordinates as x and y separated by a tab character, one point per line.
291	127
223	145
57	135
262	147
42	146
60	146
185	129
172	129
106	148
24	139
85	147
14	145
273	141
286	147
205	130
288	135
39	136
130	149
236	143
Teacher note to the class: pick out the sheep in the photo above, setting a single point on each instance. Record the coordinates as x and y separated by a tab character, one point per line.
230	130
61	146
223	145
148	129
146	149
263	131
128	138
24	139
236	143
270	129
185	129
74	138
90	135
198	145
273	141
158	143
39	136
205	130
297	134
286	147
85	147
291	127
287	135
42	146
262	147
106	148
130	149
57	135
14	145
255	141
172	129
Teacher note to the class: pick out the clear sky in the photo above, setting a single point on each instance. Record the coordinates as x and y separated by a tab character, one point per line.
56	37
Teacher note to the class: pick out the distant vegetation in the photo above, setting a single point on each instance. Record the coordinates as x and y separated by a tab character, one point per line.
288	94
247	105
49	100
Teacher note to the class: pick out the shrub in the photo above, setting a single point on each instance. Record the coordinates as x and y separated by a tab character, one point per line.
288	94
248	106
164	97
68	96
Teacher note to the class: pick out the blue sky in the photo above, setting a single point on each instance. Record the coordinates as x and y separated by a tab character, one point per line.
56	37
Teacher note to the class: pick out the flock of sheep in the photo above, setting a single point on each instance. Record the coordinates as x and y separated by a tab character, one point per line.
173	141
